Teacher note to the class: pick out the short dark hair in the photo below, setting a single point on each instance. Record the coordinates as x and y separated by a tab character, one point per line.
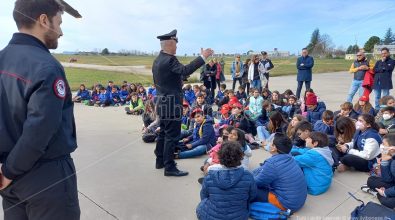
26	12
188	86
388	109
390	139
230	154
327	115
386	49
200	94
319	137
282	143
133	94
264	53
303	126
110	81
223	86
304	48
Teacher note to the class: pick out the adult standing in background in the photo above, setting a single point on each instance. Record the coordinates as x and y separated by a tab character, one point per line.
359	68
37	127
267	63
219	73
237	71
222	63
256	73
209	78
246	82
383	76
168	75
304	65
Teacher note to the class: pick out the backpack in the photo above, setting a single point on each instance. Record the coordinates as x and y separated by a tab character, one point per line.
371	211
266	211
149	137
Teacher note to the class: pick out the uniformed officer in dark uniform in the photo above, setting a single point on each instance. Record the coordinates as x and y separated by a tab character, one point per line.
168	76
37	128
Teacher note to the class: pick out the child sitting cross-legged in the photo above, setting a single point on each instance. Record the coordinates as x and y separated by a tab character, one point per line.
279	179
227	192
136	106
202	139
317	163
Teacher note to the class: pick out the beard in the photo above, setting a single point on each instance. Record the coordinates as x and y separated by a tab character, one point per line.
51	38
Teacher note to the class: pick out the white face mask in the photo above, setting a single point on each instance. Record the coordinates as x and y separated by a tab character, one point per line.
359	125
387	116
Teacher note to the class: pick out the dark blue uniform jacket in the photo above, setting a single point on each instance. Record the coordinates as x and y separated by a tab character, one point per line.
36	109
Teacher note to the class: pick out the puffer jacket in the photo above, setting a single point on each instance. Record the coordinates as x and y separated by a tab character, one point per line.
317	168
282	176
208	134
316	114
226	194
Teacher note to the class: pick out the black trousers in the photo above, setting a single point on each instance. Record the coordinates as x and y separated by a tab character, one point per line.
267	77
234	83
355	162
376	182
246	87
299	89
170	130
47	192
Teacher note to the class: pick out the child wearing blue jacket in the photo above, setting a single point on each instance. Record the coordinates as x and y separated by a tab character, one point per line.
384	186
314	108
124	94
115	99
280	181
228	190
202	139
104	98
317	163
82	95
189	95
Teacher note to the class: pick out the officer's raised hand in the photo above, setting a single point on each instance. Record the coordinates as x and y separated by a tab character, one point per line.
207	52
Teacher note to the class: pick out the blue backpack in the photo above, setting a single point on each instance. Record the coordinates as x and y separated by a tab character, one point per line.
266	211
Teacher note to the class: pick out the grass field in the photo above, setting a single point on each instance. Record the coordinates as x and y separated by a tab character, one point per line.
282	66
89	77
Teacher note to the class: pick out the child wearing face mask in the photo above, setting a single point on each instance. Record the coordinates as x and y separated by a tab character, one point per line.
387	123
361	153
384	187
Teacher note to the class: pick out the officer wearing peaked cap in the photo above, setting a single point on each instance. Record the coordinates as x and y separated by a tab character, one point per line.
168	75
37	128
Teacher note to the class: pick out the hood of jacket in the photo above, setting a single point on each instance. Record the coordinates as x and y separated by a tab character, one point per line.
228	177
326	153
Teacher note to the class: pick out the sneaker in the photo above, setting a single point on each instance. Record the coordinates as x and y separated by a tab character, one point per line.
366	189
200	180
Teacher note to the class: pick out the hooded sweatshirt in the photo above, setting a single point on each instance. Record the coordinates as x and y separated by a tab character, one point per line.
226	194
317	168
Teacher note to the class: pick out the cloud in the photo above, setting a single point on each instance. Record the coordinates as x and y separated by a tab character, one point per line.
226	26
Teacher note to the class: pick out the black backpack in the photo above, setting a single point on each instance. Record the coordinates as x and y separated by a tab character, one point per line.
149	137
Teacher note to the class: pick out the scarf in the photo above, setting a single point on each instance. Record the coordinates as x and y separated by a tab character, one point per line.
201	128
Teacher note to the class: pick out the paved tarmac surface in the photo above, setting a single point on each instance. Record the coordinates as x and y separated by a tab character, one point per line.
117	178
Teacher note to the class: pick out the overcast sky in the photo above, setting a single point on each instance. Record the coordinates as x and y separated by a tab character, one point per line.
226	26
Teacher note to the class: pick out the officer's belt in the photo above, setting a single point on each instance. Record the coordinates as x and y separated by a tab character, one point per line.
3	158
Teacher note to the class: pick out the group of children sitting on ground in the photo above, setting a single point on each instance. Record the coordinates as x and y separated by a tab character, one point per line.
132	95
308	144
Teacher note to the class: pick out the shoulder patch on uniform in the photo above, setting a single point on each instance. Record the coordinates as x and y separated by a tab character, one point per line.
59	87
